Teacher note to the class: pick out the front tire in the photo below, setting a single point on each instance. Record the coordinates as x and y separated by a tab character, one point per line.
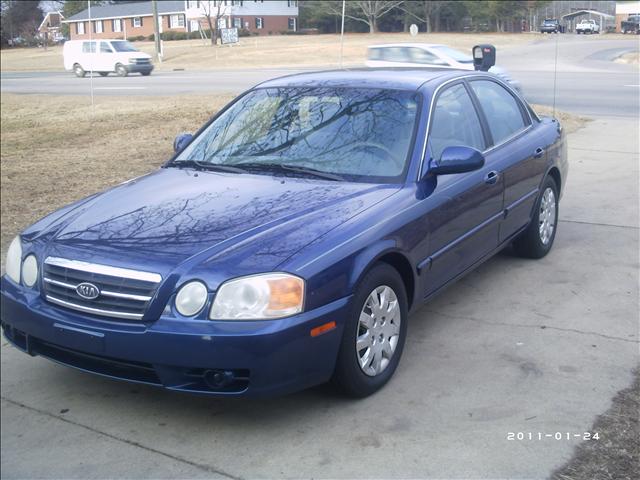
79	71
374	333
121	71
537	239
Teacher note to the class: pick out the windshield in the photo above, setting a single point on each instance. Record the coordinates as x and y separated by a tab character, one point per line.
123	46
550	22
457	55
356	134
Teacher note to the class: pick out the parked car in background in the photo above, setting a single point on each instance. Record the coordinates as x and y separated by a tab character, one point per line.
427	55
550	25
631	24
285	244
104	57
587	26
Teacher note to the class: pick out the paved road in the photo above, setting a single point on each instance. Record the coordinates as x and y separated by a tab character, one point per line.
587	81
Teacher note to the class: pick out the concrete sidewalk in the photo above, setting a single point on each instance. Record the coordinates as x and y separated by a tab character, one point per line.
517	346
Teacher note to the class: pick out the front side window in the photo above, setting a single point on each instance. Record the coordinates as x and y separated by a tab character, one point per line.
418	55
457	55
500	108
454	122
357	134
123	46
88	47
105	48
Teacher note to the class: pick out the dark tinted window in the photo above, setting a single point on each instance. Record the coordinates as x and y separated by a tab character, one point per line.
455	122
500	108
361	134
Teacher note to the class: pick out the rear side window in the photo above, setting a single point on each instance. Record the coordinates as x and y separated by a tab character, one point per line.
88	47
501	109
455	122
396	54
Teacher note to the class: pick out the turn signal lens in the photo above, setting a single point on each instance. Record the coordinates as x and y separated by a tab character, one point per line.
259	297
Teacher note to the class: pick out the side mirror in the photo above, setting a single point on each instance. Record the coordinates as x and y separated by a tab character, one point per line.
457	160
181	141
484	57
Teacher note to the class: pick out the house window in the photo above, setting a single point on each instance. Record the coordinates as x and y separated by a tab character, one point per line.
237	22
116	25
259	22
136	22
80	28
194	25
176	21
292	23
97	26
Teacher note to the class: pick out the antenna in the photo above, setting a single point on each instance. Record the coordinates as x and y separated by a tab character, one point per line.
555	76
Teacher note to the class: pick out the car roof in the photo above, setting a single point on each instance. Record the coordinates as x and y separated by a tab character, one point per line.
392	78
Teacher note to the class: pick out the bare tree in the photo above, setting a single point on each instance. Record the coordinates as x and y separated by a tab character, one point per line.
426	11
366	11
212	10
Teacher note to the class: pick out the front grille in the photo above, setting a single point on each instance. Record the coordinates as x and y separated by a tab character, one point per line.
123	293
142	61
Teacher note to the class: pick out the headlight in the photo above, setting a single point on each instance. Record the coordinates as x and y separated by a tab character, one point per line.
14	258
266	296
191	298
30	271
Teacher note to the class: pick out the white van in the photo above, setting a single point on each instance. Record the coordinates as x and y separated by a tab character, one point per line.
105	56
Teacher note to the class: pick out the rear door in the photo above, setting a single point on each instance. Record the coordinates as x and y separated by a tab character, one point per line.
516	151
467	207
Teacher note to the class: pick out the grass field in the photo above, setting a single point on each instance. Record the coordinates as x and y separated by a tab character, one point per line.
272	51
53	158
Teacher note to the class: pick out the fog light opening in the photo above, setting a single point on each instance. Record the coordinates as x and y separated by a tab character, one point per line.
218	378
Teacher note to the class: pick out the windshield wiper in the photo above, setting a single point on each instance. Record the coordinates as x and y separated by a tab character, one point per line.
284	167
215	167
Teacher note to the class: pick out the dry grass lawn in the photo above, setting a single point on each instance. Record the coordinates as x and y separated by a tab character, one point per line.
49	160
270	51
632	58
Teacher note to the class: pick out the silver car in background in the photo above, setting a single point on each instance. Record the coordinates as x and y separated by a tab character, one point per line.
427	55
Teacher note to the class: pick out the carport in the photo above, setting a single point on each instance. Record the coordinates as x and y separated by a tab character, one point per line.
571	17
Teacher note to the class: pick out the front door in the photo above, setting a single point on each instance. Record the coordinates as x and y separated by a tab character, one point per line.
468	207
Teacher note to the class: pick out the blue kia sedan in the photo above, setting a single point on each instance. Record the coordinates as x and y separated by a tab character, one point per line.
286	242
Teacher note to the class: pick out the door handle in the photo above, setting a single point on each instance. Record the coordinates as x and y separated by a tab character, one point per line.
538	153
491	177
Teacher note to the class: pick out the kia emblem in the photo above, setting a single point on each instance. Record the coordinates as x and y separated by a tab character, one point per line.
88	291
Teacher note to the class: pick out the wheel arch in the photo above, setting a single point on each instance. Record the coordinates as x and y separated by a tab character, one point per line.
389	253
554	173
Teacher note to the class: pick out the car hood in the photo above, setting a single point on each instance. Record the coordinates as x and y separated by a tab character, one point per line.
240	222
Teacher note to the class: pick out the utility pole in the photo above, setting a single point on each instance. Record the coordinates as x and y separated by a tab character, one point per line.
156	30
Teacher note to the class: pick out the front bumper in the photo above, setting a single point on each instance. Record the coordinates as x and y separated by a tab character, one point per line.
142	68
272	357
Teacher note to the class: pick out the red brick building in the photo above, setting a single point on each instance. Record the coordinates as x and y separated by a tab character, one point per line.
131	20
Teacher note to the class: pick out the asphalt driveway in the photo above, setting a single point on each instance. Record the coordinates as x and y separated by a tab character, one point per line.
517	346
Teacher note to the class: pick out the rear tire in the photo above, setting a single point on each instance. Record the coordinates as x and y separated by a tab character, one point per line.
121	71
373	338
79	71
537	239
145	74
